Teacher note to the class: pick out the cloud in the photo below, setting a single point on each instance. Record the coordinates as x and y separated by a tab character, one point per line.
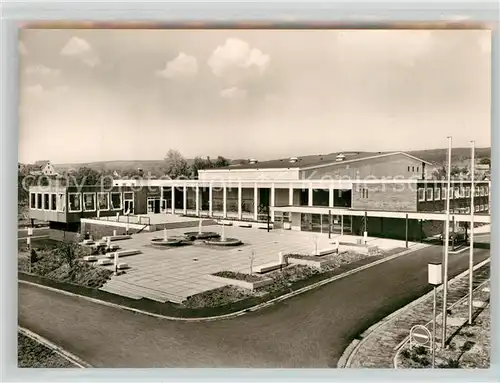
22	48
81	49
41	70
232	59
234	93
181	66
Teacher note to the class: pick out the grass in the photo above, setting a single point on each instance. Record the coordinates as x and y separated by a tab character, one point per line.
31	354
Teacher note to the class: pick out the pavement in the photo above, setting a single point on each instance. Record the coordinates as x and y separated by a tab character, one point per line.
308	330
175	273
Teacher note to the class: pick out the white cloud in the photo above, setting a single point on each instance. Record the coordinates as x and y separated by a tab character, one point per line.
22	48
181	66
234	93
235	55
80	48
42	70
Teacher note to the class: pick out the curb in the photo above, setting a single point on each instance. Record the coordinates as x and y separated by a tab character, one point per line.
350	351
238	313
58	350
400	346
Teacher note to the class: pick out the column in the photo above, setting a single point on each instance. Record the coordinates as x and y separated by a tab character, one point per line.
255	201
330	196
224	201
173	199
161	200
210	187
197	200
184	199
240	211
342	224
310	198
272	202
290	195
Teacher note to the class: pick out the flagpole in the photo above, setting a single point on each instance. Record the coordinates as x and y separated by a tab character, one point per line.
471	242
446	248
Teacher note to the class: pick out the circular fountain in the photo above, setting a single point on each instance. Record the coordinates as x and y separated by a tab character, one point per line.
222	240
200	234
166	241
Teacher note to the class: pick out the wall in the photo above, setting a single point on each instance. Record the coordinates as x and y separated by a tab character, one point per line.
398	197
281	197
389	166
249	174
98	231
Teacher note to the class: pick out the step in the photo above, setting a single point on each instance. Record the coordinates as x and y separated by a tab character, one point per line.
246	225
116	291
327	251
117	237
146	292
122	266
268	267
90	258
123	253
104	262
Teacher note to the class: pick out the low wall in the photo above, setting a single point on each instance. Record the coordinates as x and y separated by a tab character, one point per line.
62	236
98	231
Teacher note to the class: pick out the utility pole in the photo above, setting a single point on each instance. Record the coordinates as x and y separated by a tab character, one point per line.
446	248
471	228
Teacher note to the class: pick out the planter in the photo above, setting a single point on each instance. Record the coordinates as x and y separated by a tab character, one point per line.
242	284
311	262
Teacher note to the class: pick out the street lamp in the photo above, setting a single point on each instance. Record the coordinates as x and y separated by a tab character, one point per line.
435	274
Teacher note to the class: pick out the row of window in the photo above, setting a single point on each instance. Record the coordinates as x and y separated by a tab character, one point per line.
91	201
436	194
413	168
466	210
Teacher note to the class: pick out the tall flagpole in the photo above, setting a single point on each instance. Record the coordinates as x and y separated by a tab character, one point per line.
446	248
471	242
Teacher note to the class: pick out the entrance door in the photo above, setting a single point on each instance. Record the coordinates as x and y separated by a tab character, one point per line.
129	206
157	206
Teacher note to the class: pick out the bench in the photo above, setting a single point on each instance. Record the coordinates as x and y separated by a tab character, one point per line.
319	253
268	267
123	253
244	224
104	262
90	258
122	266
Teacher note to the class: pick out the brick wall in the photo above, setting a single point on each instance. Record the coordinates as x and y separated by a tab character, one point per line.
398	197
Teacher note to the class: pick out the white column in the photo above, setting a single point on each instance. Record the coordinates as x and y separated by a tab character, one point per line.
272	202
161	200
255	201
197	200
173	199
290	195
310	198
210	192
184	199
240	211
224	201
330	196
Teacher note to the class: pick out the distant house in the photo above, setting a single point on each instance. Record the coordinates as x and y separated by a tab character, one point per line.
116	174
44	168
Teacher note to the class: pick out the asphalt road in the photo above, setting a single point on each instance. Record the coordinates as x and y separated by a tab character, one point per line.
309	330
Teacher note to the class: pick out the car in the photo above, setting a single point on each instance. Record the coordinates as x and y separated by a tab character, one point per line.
459	236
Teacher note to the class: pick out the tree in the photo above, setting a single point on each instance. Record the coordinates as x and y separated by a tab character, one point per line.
85	176
221	162
175	164
485	161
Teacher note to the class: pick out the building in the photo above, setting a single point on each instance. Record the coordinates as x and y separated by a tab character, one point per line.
43	168
385	194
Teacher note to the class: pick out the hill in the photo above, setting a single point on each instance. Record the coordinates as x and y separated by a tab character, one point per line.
459	156
119	165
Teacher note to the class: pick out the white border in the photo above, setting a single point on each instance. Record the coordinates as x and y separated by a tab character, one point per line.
69	204
107	199
111	201
83	201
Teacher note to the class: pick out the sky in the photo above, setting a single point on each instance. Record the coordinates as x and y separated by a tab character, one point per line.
99	95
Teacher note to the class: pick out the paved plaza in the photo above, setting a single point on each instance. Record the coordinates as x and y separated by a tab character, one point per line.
175	273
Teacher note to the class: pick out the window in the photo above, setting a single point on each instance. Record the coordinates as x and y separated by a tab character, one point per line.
33	200
61	202
46	201
444	193
467	210
457	192
38	200
467	191
127	196
417	169
116	201
481	191
429	194
103	201
413	168
408	168
462	192
89	201
476	208
486	190
476	193
53	202
421	194
364	193
75	202
437	194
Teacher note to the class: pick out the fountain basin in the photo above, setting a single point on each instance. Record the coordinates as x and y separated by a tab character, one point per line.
224	242
192	235
166	242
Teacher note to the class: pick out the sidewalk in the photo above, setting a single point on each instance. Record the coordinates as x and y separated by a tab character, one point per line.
378	345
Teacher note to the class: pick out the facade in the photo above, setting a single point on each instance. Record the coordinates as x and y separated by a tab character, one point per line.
382	194
44	168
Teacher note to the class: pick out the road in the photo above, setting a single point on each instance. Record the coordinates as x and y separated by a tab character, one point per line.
309	330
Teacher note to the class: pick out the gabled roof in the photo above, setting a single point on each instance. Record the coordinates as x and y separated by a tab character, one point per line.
314	161
41	163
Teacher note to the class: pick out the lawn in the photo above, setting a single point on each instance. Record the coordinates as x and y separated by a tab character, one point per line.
31	354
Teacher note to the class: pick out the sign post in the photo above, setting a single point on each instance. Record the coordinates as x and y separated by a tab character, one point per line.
435	278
